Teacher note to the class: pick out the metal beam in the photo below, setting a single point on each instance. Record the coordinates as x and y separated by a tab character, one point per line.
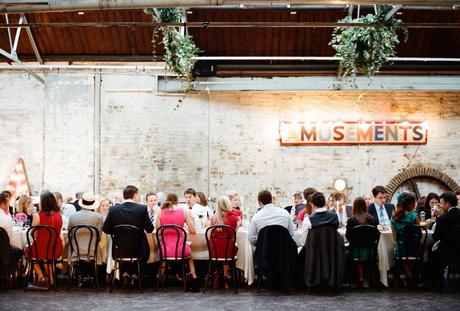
32	40
16	38
75	5
393	11
9	32
227	25
18	62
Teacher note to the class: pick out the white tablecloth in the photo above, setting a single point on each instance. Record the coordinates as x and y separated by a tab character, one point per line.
244	261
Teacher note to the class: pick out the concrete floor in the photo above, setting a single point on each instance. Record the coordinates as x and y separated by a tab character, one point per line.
174	299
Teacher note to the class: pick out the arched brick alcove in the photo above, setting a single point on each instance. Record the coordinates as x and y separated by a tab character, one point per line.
420	171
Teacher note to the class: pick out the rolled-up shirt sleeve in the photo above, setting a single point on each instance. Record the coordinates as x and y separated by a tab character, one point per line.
252	234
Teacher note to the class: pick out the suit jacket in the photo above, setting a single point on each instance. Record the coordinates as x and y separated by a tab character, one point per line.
88	218
129	213
276	254
446	231
373	211
324	257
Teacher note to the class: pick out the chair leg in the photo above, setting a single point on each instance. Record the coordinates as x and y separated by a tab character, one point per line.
184	275
70	273
235	277
113	273
139	270
207	276
96	277
259	281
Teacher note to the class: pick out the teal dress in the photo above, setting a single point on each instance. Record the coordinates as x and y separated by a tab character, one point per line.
406	219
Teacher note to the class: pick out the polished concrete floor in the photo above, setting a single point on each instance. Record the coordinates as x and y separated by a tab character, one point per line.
248	299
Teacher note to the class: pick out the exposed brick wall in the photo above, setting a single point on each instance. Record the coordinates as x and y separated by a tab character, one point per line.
213	142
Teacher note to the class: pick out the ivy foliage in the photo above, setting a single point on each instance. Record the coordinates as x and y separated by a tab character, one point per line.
365	49
179	50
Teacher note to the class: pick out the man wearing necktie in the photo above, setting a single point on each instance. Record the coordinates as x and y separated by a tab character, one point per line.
152	205
379	209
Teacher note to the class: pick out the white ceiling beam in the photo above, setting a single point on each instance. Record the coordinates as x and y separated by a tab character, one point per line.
18	62
393	11
32	41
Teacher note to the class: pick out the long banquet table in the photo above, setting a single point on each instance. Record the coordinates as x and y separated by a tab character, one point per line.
245	260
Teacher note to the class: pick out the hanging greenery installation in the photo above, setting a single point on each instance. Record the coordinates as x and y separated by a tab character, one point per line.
363	50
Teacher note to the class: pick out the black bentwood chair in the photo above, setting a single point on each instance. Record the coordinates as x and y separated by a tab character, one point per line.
177	235
221	240
127	248
364	240
81	250
8	265
453	260
411	245
44	260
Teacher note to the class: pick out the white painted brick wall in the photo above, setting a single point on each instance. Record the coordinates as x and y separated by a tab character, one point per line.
213	142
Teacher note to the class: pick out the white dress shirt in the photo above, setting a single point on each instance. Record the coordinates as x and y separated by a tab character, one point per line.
67	210
306	224
269	215
382	215
6	222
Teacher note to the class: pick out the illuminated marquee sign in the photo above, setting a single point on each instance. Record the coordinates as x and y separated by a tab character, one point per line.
345	133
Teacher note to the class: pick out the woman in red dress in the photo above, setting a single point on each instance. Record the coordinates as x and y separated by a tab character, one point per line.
47	216
225	215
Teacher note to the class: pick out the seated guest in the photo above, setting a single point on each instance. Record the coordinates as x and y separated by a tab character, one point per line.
25	206
130	213
225	215
368	198
65	209
307	194
103	207
432	201
297	205
234	198
200	213
360	216
86	216
78	196
172	214
323	251
404	215
201	199
268	215
10	207
49	216
152	206
342	210
379	209
446	232
8	256
320	216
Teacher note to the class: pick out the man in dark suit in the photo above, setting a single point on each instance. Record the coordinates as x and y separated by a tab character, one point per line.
379	209
130	213
447	233
78	197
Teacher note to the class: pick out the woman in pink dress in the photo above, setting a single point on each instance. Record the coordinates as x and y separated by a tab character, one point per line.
172	214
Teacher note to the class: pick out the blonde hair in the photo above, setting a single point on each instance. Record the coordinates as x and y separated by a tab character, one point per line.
102	199
231	194
223	205
22	203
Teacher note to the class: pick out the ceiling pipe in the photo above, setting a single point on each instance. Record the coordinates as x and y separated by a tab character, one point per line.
11	6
